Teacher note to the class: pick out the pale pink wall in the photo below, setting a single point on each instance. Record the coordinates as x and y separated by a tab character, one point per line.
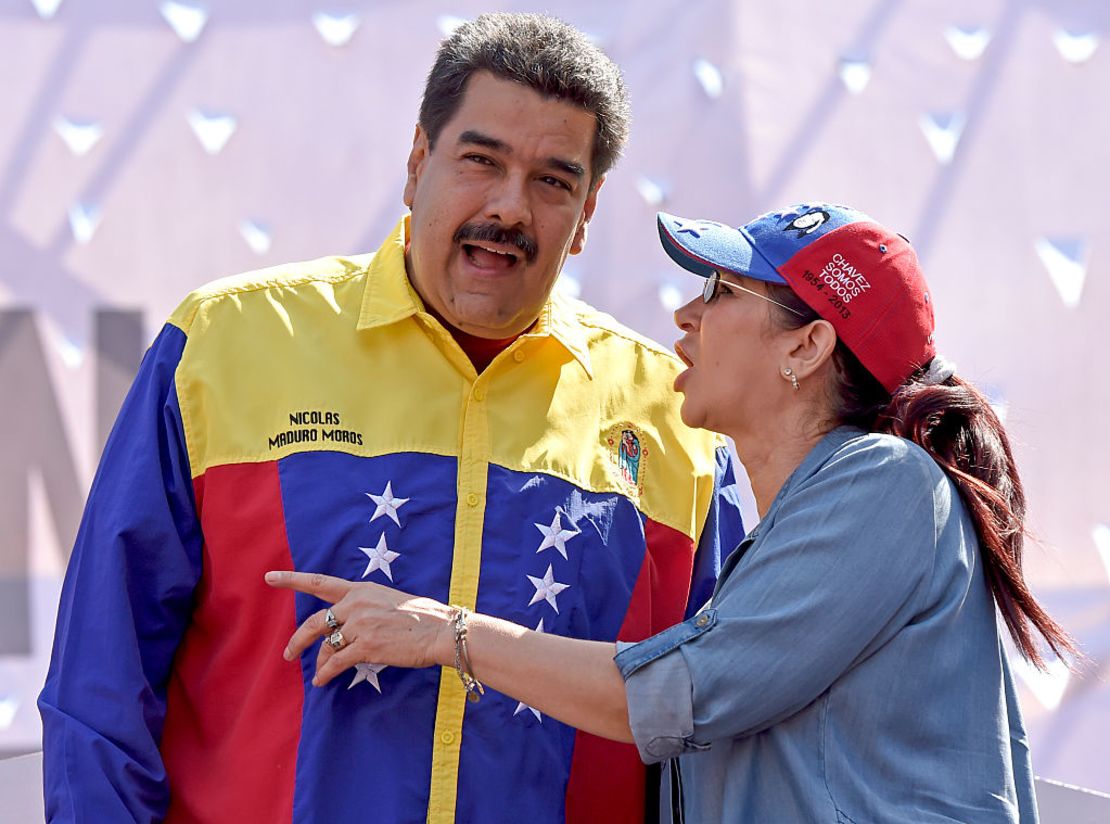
317	158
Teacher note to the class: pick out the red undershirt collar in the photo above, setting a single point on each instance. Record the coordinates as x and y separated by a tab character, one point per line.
481	351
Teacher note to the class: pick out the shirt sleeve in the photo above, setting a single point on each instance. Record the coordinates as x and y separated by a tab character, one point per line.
125	603
837	573
721	533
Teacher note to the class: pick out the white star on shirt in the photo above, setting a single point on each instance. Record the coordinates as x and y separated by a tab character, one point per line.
380	558
555	536
546	589
369	674
387	504
521	706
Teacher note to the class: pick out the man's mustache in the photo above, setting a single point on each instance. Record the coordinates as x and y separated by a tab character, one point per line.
492	233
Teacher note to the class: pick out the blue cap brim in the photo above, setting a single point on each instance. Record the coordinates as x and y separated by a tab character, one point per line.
704	246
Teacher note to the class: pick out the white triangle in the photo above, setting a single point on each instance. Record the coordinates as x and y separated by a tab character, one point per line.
1065	260
78	137
569	285
46	8
257	236
1048	687
1101	535
336	29
670	297
448	23
650	191
83	222
967	43
712	82
854	74
943	132
70	351
999	404
213	131
1075	48
9	705
187	21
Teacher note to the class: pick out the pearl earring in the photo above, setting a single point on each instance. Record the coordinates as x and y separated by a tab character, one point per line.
789	373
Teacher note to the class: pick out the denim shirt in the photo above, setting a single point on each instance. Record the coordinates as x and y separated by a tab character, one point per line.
849	666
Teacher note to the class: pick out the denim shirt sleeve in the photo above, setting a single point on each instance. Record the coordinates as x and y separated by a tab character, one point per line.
660	707
841	566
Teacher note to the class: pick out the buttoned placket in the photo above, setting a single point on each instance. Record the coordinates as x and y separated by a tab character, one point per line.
471	484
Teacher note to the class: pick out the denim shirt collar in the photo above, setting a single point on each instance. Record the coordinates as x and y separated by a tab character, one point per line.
813	461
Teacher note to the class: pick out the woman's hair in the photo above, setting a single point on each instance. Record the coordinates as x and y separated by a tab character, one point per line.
956	425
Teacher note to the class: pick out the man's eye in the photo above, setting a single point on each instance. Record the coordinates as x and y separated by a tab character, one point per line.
554	181
485	161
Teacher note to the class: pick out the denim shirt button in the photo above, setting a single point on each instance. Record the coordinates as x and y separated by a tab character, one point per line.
702	620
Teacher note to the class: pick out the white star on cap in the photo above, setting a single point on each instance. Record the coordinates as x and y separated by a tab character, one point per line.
380	558
369	674
521	706
546	589
555	536
387	504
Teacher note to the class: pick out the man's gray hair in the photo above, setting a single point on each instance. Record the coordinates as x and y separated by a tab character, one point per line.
544	53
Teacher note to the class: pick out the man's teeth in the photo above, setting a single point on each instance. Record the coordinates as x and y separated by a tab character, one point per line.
509	255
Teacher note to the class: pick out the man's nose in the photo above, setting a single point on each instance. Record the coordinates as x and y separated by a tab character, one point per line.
509	203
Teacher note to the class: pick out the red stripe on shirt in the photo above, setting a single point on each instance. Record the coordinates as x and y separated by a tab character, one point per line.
233	715
605	774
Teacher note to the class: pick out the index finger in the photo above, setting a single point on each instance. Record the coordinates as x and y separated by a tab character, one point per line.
325	587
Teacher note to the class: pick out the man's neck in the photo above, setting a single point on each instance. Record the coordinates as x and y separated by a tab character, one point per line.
481	351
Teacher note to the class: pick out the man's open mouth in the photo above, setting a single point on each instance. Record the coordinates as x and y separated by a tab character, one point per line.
488	256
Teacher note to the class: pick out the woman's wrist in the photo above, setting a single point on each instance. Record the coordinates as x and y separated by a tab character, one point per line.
443	647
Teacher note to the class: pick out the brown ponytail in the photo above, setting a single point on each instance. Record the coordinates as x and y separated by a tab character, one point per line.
956	425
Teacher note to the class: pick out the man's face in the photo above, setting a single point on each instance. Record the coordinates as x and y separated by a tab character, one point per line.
498	205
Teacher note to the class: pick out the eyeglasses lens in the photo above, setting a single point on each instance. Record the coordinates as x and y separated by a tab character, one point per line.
709	291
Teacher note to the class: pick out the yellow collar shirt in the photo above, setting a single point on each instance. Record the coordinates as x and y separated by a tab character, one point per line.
316	417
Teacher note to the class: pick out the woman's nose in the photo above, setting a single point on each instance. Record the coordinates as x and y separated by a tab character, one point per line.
688	316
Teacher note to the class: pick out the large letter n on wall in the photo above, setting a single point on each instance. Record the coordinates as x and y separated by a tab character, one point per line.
33	438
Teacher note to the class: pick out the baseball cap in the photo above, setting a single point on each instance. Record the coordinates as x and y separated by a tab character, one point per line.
855	273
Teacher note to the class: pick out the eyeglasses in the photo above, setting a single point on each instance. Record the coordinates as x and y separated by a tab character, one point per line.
714	282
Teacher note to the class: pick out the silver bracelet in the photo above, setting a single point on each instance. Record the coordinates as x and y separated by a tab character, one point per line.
473	687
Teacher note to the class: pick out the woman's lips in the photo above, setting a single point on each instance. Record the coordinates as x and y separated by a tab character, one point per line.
682	356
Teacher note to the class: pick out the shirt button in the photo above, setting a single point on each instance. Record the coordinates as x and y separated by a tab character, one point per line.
703	619
479	393
518	355
472	499
447	738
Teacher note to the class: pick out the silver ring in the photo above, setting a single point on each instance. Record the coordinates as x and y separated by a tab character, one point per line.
336	640
329	619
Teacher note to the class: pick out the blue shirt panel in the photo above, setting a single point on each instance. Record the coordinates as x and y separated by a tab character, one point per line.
125	605
514	760
328	515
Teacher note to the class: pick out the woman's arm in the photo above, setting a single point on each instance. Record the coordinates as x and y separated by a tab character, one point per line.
569	679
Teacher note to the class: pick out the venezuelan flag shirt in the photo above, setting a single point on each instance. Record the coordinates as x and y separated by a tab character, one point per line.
316	417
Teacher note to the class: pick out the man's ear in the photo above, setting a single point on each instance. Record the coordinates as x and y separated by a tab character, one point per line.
417	156
578	242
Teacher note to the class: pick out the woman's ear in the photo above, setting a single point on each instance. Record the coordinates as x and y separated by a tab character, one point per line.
812	346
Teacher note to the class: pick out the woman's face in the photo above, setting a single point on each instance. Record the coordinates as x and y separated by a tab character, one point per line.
731	348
